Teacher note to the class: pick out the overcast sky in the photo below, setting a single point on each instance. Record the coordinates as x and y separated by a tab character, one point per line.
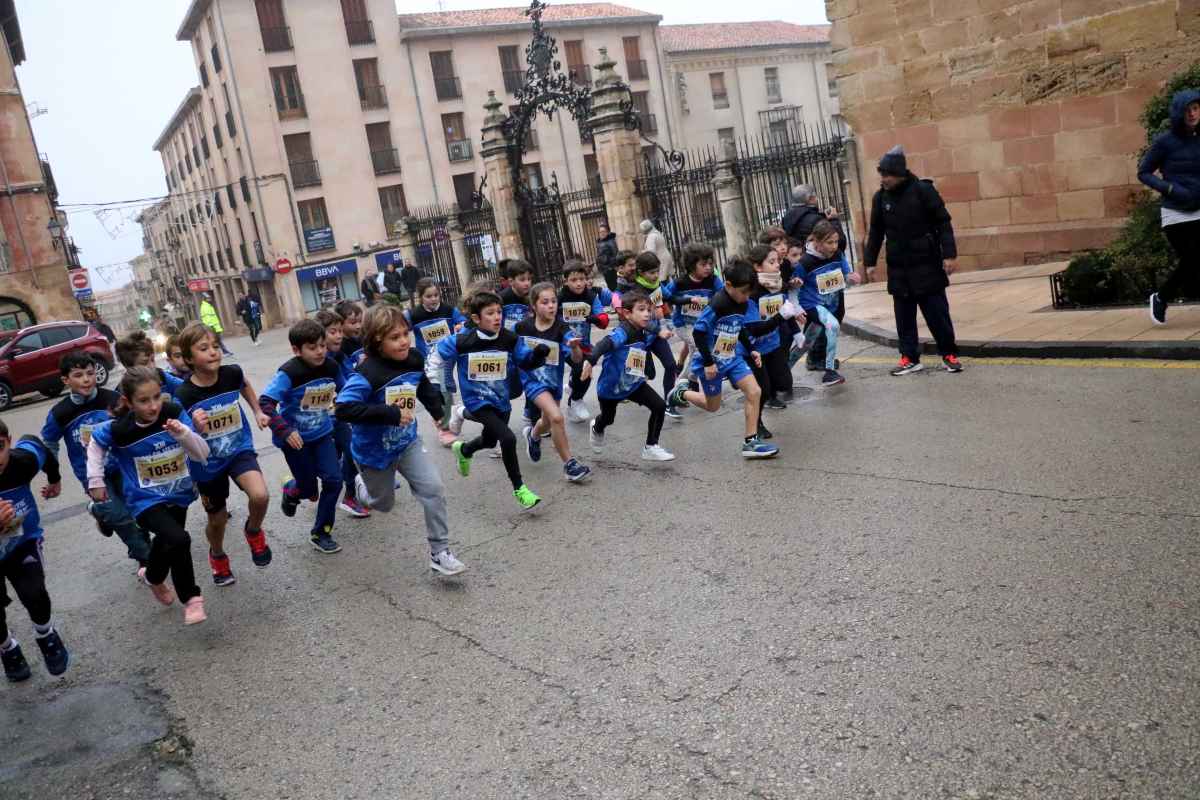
110	74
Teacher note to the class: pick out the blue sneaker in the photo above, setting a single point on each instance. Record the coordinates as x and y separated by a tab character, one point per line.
290	498
53	652
533	444
16	668
757	448
322	542
575	472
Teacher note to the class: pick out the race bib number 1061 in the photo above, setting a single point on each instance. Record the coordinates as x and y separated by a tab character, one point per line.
487	366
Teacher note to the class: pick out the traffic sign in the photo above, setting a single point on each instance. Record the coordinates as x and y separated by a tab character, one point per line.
283	266
79	280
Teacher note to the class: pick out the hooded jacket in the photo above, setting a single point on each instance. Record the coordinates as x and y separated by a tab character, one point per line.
1175	155
916	224
606	252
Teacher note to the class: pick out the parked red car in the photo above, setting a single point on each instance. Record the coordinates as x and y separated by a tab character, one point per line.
29	357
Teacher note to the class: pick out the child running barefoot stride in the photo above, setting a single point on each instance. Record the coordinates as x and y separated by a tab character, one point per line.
484	358
210	396
380	403
623	375
431	320
543	386
151	440
299	404
580	306
21	561
722	333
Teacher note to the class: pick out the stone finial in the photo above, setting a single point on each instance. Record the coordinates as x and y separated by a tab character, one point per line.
493	106
608	75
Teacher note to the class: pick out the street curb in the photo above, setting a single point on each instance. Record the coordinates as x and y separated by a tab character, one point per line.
1161	350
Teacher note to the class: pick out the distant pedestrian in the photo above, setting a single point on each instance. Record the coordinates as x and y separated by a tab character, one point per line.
655	242
209	316
250	310
1175	155
409	277
369	288
921	252
392	282
105	330
606	255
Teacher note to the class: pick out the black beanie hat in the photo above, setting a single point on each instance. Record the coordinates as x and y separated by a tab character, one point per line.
894	162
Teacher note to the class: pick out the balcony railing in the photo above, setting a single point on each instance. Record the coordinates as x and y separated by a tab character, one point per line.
637	69
360	31
276	40
447	88
649	123
720	100
229	124
305	173
514	79
291	106
531	140
459	149
385	161
581	74
372	97
586	136
245	254
217	135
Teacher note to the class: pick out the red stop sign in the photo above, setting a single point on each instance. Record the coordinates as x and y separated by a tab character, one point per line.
79	279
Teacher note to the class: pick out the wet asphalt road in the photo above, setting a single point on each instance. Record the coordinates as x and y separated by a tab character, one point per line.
948	586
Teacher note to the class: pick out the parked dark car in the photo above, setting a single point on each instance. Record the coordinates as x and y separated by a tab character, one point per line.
29	357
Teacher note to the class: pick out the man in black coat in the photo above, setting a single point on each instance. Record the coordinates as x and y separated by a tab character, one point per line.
606	255
921	253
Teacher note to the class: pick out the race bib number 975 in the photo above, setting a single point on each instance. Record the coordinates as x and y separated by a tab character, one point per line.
487	366
830	282
160	468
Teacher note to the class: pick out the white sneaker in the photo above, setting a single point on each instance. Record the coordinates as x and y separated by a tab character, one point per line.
595	438
578	412
444	563
496	452
654	452
456	419
360	491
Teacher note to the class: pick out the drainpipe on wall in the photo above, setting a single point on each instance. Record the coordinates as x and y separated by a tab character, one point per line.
817	83
665	90
412	74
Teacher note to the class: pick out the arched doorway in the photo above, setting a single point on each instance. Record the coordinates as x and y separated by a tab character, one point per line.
15	315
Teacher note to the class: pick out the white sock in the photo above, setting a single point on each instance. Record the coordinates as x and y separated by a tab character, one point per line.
42	631
9	644
798	339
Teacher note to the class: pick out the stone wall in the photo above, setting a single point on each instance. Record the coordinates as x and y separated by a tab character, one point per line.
1023	112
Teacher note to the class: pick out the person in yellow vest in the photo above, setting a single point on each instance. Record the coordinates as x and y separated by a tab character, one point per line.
208	315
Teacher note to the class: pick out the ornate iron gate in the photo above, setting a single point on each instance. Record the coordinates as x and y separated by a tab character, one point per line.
683	202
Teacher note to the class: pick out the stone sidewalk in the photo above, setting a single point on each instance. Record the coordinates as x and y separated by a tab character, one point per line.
1008	312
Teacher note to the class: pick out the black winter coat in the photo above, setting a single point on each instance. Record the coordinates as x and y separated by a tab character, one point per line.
606	253
1176	155
914	220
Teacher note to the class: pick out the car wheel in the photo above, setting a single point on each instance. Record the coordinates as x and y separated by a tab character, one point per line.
101	372
51	390
6	396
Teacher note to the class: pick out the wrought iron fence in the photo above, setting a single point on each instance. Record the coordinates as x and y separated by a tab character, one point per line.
556	226
584	210
683	203
482	242
435	257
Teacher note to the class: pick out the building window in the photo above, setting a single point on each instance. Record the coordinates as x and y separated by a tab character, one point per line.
725	136
641	102
458	146
831	80
276	37
771	74
716	80
445	82
304	168
370	89
510	66
394	206
464	190
591	168
289	100
384	158
577	66
634	62
315	222
533	176
359	29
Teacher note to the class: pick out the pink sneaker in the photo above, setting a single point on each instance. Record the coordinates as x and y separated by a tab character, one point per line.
193	611
446	437
162	593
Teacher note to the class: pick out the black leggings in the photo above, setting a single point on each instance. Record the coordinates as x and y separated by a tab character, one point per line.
1184	239
643	396
496	431
579	386
171	549
661	349
23	569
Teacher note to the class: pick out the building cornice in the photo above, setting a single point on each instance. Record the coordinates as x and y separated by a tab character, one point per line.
190	101
191	20
523	26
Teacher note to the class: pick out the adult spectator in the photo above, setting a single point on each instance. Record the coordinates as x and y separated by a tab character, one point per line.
655	242
798	223
921	254
209	316
105	329
392	284
369	288
250	310
1175	156
606	255
409	277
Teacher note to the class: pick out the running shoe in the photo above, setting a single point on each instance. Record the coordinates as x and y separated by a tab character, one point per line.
575	472
577	411
907	367
260	554
655	452
526	497
322	542
16	668
54	653
221	571
764	432
673	413
496	452
951	364
464	462
446	437
757	448
456	419
445	563
1158	309
352	507
162	593
774	403
675	397
533	444
595	438
193	611
832	378
290	498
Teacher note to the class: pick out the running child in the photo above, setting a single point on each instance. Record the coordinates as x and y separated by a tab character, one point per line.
299	404
431	320
21	562
136	350
515	303
646	279
210	396
543	386
581	306
626	275
722	333
690	295
151	441
175	364
825	273
352	322
380	403
73	419
332	321
774	376
623	375
485	357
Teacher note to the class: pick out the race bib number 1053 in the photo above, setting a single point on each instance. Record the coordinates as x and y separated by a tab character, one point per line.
161	468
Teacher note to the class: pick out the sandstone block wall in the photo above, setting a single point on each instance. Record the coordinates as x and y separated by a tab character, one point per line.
1024	112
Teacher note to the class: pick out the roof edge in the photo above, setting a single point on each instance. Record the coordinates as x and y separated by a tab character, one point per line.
814	45
192	98
191	19
588	22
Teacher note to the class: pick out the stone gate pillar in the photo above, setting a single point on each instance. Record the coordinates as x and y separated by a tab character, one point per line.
617	154
732	203
499	179
458	246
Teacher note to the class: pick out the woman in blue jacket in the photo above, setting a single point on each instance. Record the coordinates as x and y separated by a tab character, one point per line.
1175	156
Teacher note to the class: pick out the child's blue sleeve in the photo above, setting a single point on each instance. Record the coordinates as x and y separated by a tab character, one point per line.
356	390
447	351
173	383
720	284
704	322
278	388
457	318
51	434
34	447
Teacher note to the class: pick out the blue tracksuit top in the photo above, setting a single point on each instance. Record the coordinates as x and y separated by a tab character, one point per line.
690	297
766	305
153	465
27	457
380	404
515	307
824	280
557	339
624	353
484	365
580	311
305	396
73	423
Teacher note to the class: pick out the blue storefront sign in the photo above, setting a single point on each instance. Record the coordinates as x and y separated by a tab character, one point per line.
325	284
318	239
347	266
261	275
388	257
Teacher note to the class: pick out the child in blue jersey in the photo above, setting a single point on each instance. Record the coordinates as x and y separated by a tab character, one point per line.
625	352
646	280
543	386
175	364
485	358
773	375
72	420
581	306
825	274
151	441
299	402
21	561
352	323
431	320
136	350
380	403
211	398
332	322
722	333
690	295
514	303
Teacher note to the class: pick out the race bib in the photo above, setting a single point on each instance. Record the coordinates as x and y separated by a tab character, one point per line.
769	305
576	312
405	397
694	306
830	282
726	345
656	297
635	363
85	434
160	468
13	529
551	357
487	366
224	420
318	398
434	332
